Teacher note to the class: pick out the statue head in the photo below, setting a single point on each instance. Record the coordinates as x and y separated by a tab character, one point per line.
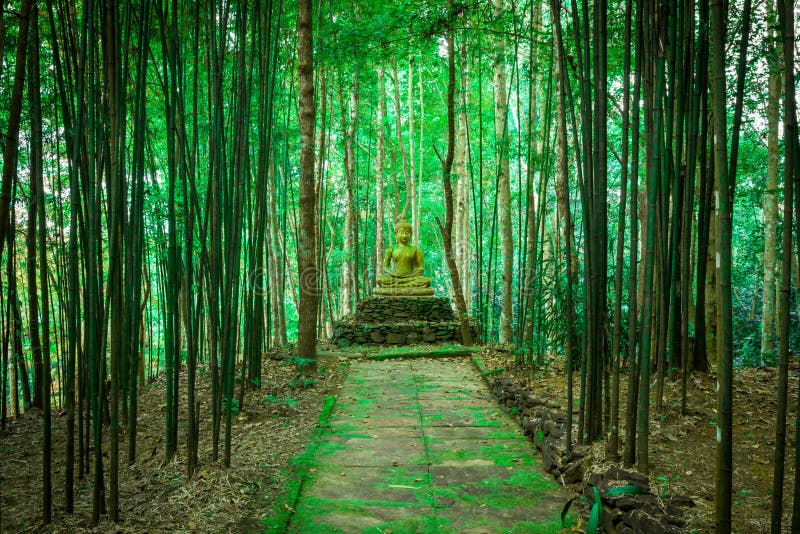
402	231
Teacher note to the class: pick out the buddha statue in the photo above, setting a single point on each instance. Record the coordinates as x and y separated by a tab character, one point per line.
403	268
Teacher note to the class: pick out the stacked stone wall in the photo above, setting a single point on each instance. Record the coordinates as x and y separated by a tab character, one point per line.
347	333
402	310
400	321
544	424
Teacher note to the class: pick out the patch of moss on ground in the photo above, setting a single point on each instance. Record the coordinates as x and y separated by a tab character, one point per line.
330	447
440	351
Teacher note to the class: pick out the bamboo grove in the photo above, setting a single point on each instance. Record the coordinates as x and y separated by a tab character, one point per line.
184	189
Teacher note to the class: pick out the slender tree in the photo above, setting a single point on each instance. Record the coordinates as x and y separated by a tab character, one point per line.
616	338
634	367
503	185
786	26
11	144
563	190
770	207
380	143
648	301
724	477
447	167
700	362
135	234
350	242
37	214
115	210
698	95
307	248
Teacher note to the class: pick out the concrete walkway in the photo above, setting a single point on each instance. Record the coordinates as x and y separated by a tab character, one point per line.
420	446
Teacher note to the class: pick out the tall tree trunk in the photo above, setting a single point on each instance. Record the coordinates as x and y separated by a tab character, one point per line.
38	212
5	332
216	166
412	192
634	348
562	192
380	142
786	17
324	318
135	235
461	227
350	265
95	314
770	206
699	92
11	145
648	300
116	201
617	333
418	180
700	356
531	218
724	478
33	205
599	223
172	281
275	250
72	301
503	186
447	168
191	300
234	215
409	182
18	357
307	247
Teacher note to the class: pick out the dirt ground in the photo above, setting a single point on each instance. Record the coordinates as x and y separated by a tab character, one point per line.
683	448
275	424
278	420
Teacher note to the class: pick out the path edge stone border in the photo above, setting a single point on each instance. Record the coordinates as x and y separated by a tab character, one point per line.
284	505
643	512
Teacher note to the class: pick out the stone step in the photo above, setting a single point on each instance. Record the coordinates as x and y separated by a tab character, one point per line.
346	333
424	351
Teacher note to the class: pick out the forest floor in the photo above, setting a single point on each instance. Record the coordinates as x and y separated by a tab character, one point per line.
275	425
278	421
683	448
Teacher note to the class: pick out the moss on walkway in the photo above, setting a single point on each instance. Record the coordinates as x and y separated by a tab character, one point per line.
420	446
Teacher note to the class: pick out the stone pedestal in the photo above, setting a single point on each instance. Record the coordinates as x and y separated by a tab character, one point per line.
400	321
400	292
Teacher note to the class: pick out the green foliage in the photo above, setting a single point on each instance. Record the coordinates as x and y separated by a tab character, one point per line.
631	489
596	514
233	404
272	399
302	382
596	506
